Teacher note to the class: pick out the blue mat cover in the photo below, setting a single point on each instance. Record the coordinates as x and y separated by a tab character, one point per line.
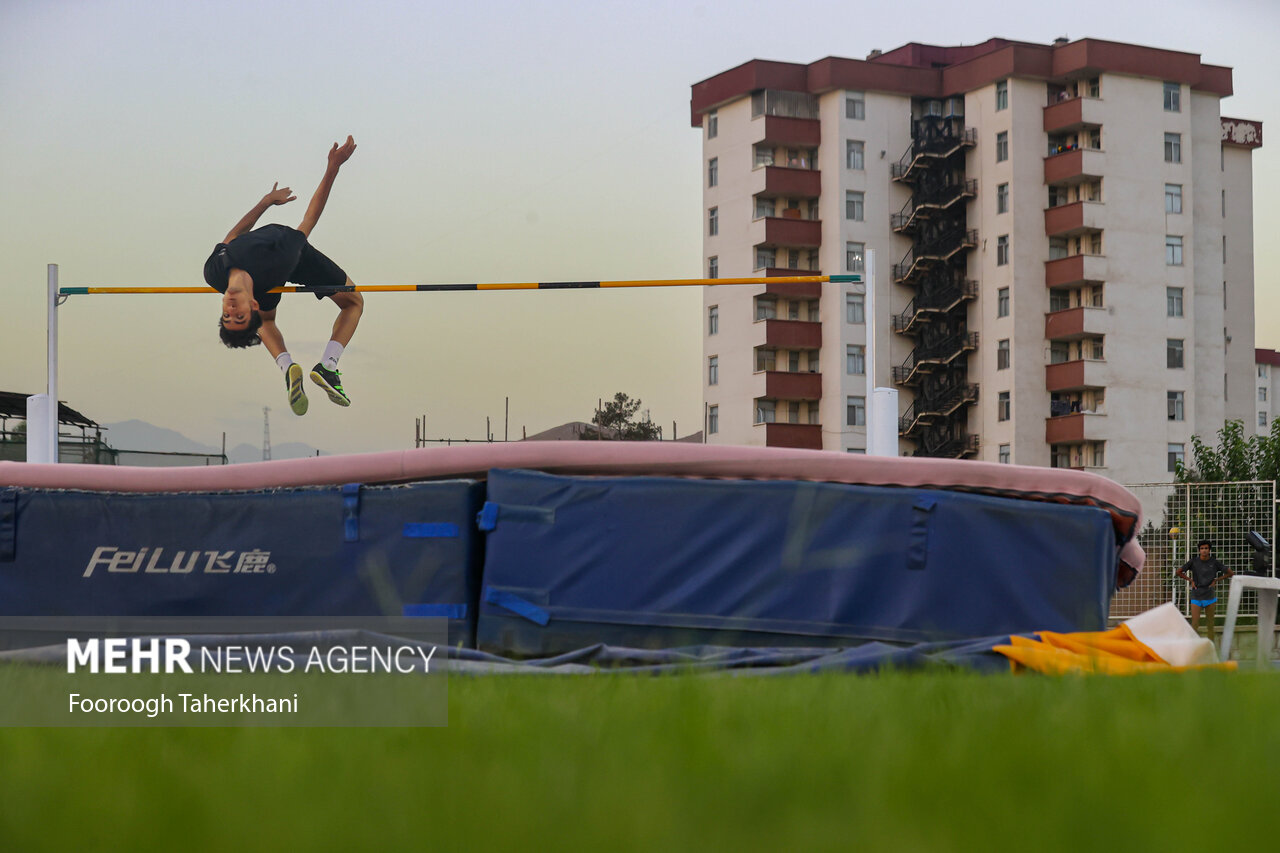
401	551
639	562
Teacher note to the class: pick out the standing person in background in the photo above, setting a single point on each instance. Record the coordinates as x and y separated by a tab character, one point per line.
1202	572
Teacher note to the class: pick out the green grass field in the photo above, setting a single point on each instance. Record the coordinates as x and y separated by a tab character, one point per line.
899	761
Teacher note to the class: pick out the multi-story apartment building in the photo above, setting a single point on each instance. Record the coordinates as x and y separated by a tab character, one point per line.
1063	244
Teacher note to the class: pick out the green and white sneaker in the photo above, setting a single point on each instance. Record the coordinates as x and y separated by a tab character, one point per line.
293	382
331	382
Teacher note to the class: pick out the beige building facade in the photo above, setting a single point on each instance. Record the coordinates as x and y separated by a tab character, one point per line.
1063	251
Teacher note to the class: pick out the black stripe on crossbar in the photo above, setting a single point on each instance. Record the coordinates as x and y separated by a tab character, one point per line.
447	287
566	285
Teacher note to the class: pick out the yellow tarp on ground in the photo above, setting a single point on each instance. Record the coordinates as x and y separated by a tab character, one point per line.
1159	640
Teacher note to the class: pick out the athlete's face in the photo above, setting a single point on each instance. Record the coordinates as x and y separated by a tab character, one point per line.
1204	552
238	304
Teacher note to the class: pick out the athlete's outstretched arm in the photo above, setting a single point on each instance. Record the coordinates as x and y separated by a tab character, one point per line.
276	196
337	156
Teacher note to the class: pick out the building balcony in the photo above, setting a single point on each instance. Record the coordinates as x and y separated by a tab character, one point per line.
1072	114
803	436
1075	323
803	290
788	385
1075	271
775	231
1067	220
792	334
1075	375
1075	427
792	132
1074	167
784	181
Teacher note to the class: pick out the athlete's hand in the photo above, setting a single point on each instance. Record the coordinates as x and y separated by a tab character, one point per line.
278	195
341	154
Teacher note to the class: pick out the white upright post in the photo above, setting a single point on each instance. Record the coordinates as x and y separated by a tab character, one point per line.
42	409
882	403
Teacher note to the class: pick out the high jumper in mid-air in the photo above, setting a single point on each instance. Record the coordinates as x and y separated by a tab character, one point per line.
250	262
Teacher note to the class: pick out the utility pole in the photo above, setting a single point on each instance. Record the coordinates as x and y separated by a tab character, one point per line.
266	434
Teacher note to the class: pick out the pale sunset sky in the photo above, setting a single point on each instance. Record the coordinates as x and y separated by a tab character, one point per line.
497	142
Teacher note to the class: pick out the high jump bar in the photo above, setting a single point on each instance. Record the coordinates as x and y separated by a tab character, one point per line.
854	278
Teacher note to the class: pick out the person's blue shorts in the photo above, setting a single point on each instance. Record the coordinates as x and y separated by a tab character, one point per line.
1204	603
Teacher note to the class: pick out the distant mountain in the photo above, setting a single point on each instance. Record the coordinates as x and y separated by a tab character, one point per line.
140	435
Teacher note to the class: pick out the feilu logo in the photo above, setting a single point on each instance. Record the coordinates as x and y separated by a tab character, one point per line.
158	561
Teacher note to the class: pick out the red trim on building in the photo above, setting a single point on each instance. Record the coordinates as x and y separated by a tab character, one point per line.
921	70
1242	132
1266	356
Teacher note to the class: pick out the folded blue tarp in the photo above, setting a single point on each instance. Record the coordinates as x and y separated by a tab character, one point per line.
659	562
396	551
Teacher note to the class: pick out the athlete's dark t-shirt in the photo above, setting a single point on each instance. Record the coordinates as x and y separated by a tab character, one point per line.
1202	574
268	254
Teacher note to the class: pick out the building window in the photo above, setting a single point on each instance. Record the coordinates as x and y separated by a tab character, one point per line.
813	414
713	170
1002	146
1173	198
1099	454
713	370
1173	352
853	208
853	256
854	304
856	360
1059	300
856	411
853	155
1173	301
1262	395
766	258
1176	410
1002	302
713	221
793	361
766	411
1004	406
1002	250
1172	98
1172	250
855	105
713	267
1059	351
766	309
1004	454
1002	95
713	124
1177	454
1262	419
763	156
713	320
1002	355
1002	198
766	359
713	420
1224	203
1173	147
1262	371
765	207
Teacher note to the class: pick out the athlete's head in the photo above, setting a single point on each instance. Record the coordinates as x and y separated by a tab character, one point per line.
241	317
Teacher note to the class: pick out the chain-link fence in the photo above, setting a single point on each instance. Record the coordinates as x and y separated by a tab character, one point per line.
1176	516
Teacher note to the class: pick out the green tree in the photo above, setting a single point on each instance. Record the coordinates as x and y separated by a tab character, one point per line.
617	420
